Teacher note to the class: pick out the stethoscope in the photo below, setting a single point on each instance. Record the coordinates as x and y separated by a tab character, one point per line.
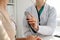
29	24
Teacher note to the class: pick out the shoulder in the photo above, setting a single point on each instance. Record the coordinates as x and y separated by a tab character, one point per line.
29	9
49	7
50	10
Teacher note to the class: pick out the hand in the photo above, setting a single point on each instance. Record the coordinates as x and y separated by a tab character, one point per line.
29	38
38	38
33	38
32	21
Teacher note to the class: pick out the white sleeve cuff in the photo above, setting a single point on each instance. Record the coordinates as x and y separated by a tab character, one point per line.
45	30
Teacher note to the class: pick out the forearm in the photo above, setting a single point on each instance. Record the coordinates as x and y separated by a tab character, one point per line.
20	38
46	30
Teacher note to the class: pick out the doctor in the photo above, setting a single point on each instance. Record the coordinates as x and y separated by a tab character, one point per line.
39	19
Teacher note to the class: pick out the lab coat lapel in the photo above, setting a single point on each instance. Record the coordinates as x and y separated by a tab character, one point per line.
44	14
35	14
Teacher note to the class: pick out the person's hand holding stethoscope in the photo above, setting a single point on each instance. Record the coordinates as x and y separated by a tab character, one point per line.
32	21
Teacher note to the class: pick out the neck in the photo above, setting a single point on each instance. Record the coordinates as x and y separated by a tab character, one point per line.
39	6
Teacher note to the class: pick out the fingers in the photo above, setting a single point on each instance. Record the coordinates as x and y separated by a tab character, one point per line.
31	37
32	23
34	37
31	20
38	38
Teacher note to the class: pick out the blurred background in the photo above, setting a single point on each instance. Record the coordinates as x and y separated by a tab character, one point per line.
16	10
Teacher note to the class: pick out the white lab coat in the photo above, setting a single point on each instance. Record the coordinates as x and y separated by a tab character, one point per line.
47	21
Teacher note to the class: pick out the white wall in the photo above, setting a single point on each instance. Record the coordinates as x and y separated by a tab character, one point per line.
21	6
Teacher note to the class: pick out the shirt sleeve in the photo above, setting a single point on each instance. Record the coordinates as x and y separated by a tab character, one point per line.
3	33
26	28
51	24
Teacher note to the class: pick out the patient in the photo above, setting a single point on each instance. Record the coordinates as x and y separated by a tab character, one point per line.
7	32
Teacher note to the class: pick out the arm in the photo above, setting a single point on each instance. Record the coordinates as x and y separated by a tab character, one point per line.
29	38
26	29
49	28
20	38
3	33
51	24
